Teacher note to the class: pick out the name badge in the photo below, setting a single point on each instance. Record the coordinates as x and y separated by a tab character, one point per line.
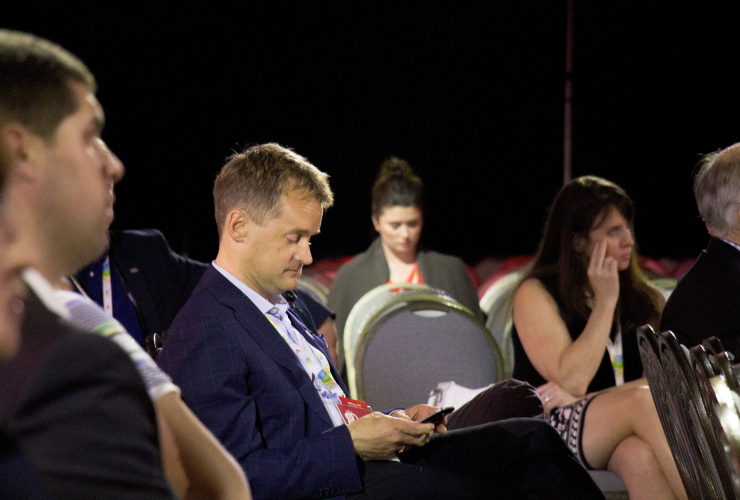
352	409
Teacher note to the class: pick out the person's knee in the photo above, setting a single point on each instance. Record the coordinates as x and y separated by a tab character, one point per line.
641	397
632	456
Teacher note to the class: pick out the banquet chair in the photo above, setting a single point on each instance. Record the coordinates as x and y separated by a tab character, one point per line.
700	438
414	340
728	413
362	311
670	415
497	304
315	288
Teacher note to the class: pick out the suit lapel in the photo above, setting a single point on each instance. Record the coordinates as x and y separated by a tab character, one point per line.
259	328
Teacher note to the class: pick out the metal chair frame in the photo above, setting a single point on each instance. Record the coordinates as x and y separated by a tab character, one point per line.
668	412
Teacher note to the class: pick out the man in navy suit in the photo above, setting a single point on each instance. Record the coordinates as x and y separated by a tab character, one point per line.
264	383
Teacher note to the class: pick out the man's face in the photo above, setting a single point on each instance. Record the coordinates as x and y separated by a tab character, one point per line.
275	254
77	188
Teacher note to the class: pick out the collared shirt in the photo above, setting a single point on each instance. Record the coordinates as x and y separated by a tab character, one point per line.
313	362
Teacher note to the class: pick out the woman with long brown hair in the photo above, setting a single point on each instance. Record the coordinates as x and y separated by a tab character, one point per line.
575	317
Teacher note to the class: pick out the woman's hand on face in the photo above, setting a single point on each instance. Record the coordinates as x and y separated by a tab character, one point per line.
554	396
603	275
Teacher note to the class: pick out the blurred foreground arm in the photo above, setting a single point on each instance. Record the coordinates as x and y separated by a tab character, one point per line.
197	465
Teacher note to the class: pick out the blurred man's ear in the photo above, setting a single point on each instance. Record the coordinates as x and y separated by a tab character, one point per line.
20	148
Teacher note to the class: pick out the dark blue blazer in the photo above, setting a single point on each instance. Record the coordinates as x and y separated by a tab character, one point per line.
159	280
245	384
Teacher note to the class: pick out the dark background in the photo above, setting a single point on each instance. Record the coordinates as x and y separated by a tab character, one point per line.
470	93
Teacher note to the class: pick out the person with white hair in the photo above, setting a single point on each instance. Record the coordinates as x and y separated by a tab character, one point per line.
706	301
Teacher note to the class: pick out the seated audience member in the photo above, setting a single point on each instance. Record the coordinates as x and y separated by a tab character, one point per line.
395	257
140	281
263	382
706	301
73	401
575	319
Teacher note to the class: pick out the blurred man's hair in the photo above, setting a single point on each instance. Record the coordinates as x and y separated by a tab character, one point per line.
35	77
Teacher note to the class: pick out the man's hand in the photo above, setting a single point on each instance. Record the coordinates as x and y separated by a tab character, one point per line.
420	412
378	436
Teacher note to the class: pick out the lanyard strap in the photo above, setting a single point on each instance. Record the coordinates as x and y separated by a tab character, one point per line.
737	247
311	358
107	288
415	276
615	354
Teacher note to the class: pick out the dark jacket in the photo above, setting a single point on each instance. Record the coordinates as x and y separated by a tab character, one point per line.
706	301
246	385
79	412
159	280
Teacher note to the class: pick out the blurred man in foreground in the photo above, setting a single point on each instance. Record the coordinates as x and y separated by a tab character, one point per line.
73	401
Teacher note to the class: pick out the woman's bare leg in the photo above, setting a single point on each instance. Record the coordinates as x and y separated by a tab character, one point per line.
634	461
617	415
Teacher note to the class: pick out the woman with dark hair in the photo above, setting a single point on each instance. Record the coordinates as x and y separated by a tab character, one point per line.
394	257
575	319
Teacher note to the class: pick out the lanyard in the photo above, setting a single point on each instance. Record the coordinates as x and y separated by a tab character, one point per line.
311	359
415	276
737	247
615	354
107	289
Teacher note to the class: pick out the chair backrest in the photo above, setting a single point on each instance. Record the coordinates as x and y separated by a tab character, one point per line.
728	413
497	304
665	285
365	309
670	415
416	341
698	436
707	367
316	288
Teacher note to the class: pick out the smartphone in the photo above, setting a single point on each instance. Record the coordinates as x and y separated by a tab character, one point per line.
436	417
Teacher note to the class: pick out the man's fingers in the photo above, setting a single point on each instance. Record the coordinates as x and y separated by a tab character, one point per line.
417	429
